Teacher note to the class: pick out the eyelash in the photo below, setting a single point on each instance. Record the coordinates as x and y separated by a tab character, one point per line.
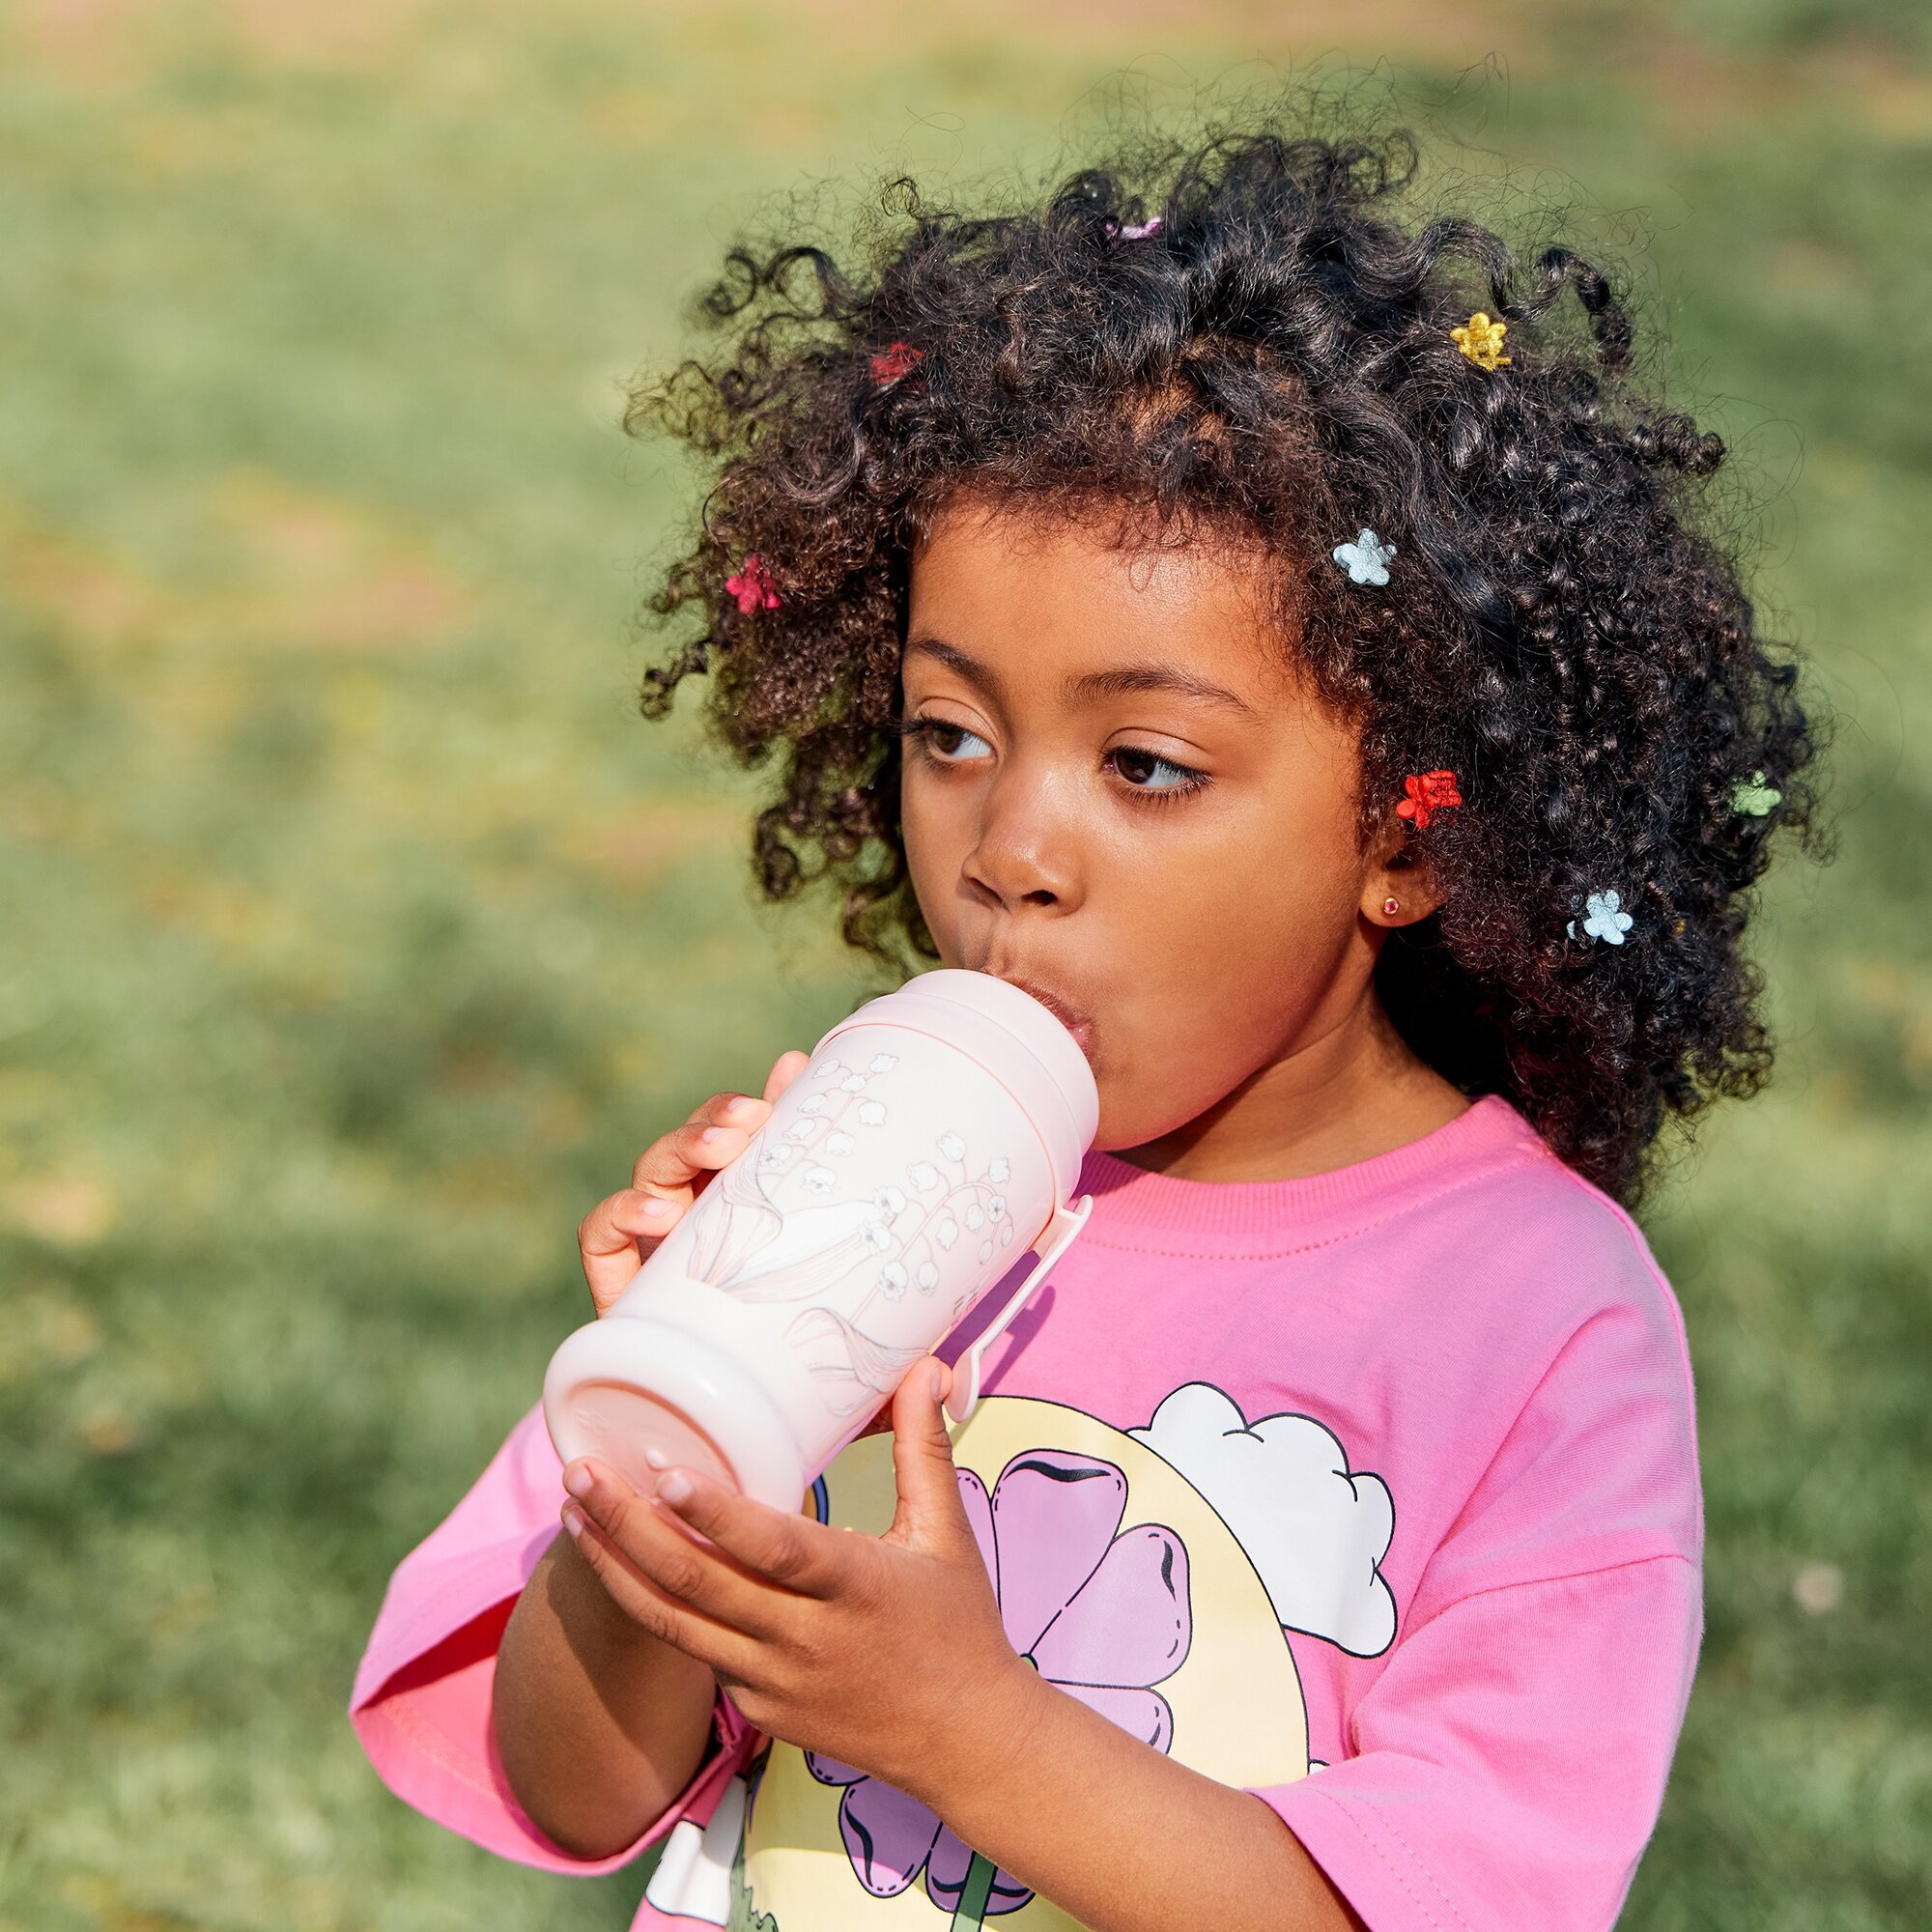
921	729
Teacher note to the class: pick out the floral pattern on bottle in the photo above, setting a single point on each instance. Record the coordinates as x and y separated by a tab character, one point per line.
787	1225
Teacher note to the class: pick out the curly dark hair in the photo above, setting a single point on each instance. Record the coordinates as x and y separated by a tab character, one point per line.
1566	628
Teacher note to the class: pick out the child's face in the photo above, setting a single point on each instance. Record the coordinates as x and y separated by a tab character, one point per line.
1124	801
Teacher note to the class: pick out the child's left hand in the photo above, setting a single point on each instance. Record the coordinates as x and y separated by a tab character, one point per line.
875	1651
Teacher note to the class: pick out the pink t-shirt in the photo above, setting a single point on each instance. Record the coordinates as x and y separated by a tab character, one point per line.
1374	1492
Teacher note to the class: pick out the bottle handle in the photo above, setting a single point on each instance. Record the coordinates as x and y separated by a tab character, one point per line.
1059	1232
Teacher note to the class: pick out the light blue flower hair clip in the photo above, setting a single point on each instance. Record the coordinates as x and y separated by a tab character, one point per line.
1604	917
1367	560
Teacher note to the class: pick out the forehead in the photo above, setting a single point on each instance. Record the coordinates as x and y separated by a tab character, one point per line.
1084	591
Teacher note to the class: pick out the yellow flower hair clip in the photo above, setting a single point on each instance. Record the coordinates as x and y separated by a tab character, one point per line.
1481	340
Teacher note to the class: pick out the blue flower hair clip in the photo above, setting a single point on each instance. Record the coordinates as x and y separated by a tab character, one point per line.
1367	560
1604	917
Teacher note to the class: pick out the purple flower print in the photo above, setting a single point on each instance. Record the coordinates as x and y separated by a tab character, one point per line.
1102	1614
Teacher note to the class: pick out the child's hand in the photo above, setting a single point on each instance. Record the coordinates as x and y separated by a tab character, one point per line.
623	1228
880	1652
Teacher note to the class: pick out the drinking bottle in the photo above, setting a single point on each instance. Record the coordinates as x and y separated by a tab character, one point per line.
933	1141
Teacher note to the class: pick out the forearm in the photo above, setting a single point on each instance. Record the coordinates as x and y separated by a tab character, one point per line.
1119	1836
598	1724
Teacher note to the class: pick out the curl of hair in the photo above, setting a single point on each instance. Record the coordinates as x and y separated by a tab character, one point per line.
1567	630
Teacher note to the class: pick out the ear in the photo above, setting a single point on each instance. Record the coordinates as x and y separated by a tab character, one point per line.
1399	873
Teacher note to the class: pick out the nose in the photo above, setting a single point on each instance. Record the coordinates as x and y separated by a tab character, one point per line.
1024	856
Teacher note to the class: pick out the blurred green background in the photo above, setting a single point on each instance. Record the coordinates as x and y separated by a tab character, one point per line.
357	933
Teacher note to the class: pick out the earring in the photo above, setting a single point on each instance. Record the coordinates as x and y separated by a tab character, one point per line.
1390	907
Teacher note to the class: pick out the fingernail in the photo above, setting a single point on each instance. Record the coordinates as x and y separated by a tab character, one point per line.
656	1208
579	1480
742	1108
934	1377
573	1518
715	1133
674	1487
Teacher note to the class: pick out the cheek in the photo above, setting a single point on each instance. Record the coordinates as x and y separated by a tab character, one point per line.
1240	963
934	851
1256	911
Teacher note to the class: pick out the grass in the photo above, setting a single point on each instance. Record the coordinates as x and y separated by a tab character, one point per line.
358	934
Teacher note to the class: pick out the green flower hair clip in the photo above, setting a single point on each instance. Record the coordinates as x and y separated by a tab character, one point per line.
1752	797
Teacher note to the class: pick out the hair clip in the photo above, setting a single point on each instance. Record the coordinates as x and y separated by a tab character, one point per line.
896	362
1481	340
1755	798
753	587
1133	231
1604	917
1429	793
1366	559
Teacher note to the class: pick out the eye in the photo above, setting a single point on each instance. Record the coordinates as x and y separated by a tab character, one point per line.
946	744
1149	772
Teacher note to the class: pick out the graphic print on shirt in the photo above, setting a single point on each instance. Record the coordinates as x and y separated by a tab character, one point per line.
1315	1529
1100	1611
1143	1571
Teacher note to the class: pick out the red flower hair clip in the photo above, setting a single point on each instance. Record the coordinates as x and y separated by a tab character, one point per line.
753	587
894	361
1429	793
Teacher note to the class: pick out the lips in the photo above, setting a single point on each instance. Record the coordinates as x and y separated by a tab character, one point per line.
1077	1023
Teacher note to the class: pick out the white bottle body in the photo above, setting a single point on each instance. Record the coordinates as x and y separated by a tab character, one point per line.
926	1148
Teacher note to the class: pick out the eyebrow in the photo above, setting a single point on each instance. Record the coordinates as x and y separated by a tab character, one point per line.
1117	681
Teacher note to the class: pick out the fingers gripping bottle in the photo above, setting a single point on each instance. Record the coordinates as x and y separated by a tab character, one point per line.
935	1138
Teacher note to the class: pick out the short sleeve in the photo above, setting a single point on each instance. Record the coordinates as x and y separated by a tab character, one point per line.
1510	1760
422	1701
1505	1761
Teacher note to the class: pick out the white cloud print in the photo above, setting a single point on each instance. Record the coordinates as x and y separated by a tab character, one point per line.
1315	1529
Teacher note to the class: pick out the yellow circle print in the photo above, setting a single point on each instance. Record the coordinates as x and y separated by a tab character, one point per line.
1125	1583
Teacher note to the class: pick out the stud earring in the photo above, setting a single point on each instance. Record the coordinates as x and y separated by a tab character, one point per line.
1390	907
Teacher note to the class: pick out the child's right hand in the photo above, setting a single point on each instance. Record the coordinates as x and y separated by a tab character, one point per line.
624	1228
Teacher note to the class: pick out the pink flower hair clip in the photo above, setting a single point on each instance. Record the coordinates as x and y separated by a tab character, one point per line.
753	587
1133	231
896	362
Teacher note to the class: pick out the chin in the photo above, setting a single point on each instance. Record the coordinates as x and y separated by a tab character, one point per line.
1132	1121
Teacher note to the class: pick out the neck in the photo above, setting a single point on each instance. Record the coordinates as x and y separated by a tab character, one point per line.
1342	1097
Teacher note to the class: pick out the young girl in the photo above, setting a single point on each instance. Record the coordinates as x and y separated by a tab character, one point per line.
1270	627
